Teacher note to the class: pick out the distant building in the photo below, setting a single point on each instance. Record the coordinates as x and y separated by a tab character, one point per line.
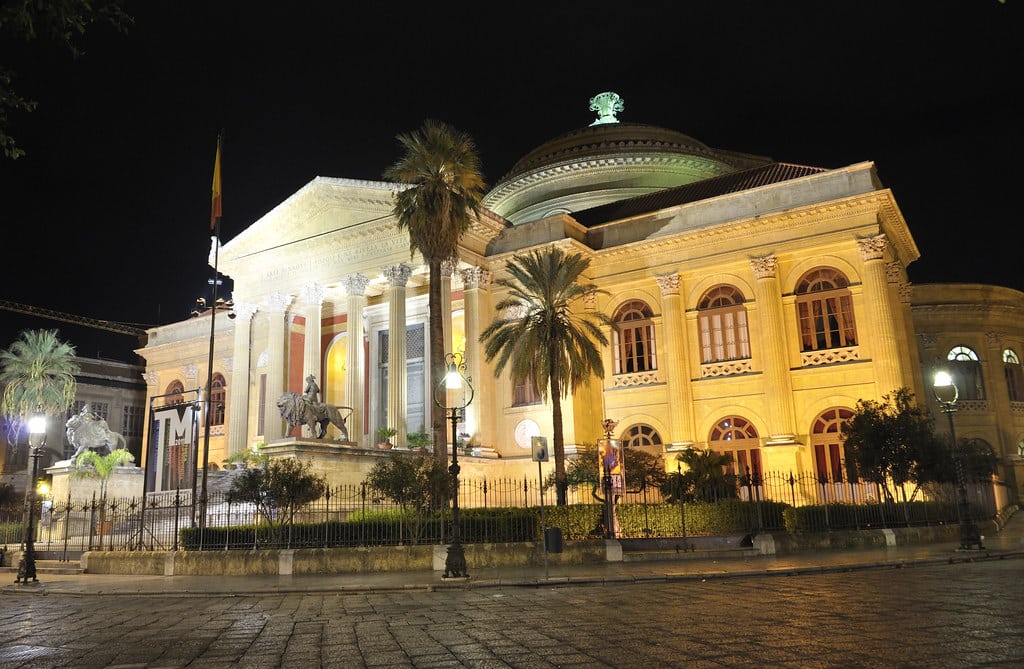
754	303
115	391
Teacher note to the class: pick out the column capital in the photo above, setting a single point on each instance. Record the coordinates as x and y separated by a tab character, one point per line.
312	294
475	277
277	302
668	283
994	339
398	275
355	284
151	378
244	310
190	371
448	267
872	248
765	267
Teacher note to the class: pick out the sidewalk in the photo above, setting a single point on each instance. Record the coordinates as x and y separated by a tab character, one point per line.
1009	543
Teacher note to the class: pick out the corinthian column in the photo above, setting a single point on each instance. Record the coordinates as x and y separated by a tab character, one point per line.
398	397
238	389
472	280
881	314
355	363
678	363
778	388
312	297
276	306
447	269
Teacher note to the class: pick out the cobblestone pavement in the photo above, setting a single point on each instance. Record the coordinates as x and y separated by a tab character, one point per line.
959	614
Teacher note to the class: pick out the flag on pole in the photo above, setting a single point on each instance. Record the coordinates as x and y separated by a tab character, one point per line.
215	212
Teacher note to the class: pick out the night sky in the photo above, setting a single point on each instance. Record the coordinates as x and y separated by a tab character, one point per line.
108	215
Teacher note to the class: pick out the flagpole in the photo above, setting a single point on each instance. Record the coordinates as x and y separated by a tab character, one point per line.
215	214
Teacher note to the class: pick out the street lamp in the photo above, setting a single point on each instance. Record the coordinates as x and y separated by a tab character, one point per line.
36	442
455	379
946	394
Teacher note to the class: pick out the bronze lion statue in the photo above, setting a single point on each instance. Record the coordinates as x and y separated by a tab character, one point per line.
297	410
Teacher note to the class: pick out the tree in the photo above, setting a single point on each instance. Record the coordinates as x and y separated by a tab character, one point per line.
38	376
415	483
444	187
90	464
886	442
62	21
643	470
543	337
278	489
705	477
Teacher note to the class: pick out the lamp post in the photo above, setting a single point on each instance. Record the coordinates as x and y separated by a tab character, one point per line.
36	442
455	379
946	394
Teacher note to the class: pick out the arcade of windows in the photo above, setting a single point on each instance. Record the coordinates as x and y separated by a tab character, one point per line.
825	320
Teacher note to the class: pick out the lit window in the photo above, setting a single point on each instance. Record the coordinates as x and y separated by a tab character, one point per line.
641	435
827	444
175	393
824	310
633	339
736	437
1014	376
965	368
218	395
723	325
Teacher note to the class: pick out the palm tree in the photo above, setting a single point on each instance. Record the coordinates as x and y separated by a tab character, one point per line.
705	477
542	339
90	464
445	185
38	376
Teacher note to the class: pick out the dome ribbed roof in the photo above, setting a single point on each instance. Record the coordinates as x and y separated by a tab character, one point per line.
607	140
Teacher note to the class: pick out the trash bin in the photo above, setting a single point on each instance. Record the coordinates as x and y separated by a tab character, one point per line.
553	539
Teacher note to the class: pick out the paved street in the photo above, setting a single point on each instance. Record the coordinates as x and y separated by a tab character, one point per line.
964	614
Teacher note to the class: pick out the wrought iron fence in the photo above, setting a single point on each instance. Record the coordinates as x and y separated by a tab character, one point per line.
501	509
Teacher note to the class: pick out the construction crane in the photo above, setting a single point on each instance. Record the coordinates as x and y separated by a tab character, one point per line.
110	326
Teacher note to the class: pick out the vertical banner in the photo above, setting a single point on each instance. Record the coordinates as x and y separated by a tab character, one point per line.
609	451
174	441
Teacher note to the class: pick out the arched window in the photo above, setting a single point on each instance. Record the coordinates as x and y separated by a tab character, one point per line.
634	338
824	310
218	395
827	444
640	435
965	368
175	393
525	392
1014	375
736	437
722	319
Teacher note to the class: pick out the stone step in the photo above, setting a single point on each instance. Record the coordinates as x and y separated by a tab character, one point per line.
668	554
43	566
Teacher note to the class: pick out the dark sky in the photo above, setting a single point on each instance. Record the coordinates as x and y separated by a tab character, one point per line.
108	215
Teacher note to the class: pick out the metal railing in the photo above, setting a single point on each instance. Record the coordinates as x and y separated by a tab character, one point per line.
501	509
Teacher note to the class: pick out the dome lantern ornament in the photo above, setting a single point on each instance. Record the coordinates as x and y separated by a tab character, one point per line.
606	105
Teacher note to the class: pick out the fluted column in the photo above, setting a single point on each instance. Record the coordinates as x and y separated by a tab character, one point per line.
447	269
778	387
355	362
276	305
238	389
312	297
398	395
472	280
678	363
885	351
